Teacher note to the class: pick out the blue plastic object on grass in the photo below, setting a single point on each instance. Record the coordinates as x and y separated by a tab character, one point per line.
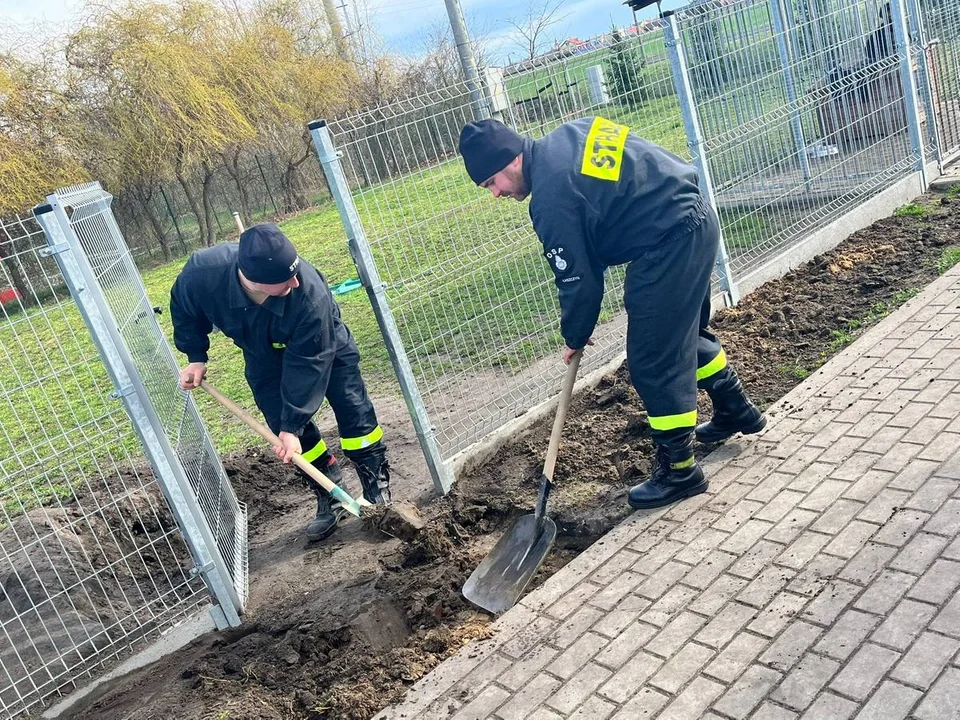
346	286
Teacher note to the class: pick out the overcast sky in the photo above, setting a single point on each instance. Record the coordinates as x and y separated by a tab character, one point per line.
402	24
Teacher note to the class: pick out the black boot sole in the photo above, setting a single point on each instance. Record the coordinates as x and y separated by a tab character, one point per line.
714	438
689	492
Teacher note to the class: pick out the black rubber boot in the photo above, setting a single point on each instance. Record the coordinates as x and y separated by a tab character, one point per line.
732	411
374	473
329	510
676	475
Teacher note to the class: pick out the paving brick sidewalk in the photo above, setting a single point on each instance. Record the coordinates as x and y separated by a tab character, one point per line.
817	578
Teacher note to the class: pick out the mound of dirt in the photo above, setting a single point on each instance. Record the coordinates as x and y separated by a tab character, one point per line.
341	629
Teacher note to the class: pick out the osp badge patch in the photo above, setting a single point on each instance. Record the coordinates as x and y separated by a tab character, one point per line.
558	261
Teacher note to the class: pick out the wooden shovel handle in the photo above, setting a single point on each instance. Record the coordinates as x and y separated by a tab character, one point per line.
562	406
268	435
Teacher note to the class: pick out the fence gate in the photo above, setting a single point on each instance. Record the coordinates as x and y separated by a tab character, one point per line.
106	284
99	552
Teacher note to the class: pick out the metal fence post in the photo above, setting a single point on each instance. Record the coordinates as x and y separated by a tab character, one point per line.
901	35
918	35
376	290
779	30
691	124
65	247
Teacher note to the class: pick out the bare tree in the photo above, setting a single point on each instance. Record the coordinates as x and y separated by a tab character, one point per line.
439	57
530	31
368	46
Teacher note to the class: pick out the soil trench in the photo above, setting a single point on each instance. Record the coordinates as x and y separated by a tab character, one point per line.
340	629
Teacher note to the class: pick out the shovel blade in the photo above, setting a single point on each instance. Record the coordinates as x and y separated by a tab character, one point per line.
501	577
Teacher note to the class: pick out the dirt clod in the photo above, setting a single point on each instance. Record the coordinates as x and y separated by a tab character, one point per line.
399	519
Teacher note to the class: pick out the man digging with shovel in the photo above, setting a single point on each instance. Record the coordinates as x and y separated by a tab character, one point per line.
602	196
278	309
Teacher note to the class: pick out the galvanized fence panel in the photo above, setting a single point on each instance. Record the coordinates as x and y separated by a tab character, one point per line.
92	565
803	114
941	33
194	480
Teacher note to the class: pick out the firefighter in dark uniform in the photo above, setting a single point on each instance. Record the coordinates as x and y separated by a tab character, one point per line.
278	309
602	196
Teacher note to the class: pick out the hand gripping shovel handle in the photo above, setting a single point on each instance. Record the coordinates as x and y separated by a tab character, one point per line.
546	480
349	504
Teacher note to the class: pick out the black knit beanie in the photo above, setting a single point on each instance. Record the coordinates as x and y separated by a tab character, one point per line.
266	255
487	147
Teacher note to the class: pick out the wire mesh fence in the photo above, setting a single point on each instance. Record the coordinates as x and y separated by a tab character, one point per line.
154	366
803	116
92	564
803	113
941	30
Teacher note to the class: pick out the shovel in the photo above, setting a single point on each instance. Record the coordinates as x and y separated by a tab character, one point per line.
349	504
501	577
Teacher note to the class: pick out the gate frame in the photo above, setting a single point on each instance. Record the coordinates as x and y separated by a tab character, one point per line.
65	247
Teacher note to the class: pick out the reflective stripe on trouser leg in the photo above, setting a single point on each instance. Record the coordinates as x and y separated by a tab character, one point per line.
666	428
711	359
312	442
666	296
714	366
362	442
316	451
665	423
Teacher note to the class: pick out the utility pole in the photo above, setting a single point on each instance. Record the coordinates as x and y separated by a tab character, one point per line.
354	32
467	60
350	32
336	29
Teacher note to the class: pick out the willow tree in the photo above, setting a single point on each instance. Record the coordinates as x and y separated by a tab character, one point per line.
151	101
284	72
33	158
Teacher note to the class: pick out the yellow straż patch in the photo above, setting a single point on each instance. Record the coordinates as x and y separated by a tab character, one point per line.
603	153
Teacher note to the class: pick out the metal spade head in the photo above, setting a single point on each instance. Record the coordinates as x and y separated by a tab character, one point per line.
503	574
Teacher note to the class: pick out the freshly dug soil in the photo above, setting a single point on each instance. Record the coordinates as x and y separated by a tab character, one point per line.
340	629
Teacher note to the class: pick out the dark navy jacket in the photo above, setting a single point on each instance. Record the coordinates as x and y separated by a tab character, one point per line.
289	343
602	196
